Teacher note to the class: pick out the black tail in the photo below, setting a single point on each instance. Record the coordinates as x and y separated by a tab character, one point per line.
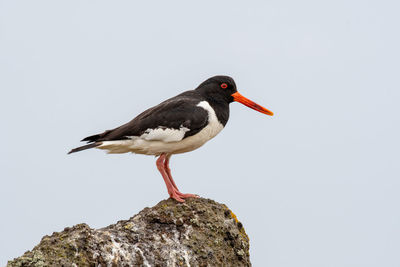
84	147
92	138
96	137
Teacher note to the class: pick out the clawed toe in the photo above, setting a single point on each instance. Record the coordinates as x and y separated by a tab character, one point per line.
178	196
187	195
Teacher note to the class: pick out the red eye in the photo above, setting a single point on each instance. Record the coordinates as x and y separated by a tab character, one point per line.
224	85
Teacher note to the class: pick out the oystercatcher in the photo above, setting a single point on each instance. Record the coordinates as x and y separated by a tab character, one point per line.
177	125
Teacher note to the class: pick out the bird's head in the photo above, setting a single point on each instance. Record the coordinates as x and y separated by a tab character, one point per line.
223	88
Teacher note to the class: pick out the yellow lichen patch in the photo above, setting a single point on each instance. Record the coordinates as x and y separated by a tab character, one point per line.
234	216
241	231
128	226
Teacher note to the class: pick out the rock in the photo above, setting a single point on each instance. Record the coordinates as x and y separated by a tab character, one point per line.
199	232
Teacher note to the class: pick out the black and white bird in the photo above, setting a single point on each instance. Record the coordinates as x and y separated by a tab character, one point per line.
177	125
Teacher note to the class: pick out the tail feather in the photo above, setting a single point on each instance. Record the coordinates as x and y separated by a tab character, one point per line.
92	138
96	137
84	147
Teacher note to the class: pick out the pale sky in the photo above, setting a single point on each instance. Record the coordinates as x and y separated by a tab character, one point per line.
315	185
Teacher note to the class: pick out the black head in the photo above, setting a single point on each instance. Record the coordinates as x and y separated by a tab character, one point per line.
218	88
222	89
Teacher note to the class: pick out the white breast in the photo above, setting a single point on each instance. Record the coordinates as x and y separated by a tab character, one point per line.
158	141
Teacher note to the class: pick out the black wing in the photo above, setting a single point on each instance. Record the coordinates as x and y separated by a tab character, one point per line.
174	113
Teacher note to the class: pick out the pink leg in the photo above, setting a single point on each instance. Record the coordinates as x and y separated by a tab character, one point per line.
168	170
170	187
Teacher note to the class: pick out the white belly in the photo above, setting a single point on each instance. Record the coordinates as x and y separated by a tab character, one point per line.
166	141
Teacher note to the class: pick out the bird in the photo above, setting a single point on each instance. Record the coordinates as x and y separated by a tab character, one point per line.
180	124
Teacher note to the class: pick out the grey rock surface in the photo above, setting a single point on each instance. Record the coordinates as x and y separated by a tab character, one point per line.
199	232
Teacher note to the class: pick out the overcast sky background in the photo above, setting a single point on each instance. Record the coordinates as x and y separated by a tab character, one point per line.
315	185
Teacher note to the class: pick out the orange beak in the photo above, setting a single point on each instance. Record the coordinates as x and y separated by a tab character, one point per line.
247	102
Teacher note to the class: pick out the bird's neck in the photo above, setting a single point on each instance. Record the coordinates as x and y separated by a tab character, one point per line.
221	108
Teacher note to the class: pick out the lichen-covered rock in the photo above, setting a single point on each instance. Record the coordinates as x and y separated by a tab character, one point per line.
199	232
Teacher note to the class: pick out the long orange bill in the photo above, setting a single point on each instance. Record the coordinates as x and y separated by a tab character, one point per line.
247	102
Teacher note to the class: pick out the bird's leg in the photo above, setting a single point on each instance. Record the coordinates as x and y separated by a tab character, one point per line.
170	187
166	167
168	170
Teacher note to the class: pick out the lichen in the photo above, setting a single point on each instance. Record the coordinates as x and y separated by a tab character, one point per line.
199	232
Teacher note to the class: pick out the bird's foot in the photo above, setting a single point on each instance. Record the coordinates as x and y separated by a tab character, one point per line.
178	196
187	195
